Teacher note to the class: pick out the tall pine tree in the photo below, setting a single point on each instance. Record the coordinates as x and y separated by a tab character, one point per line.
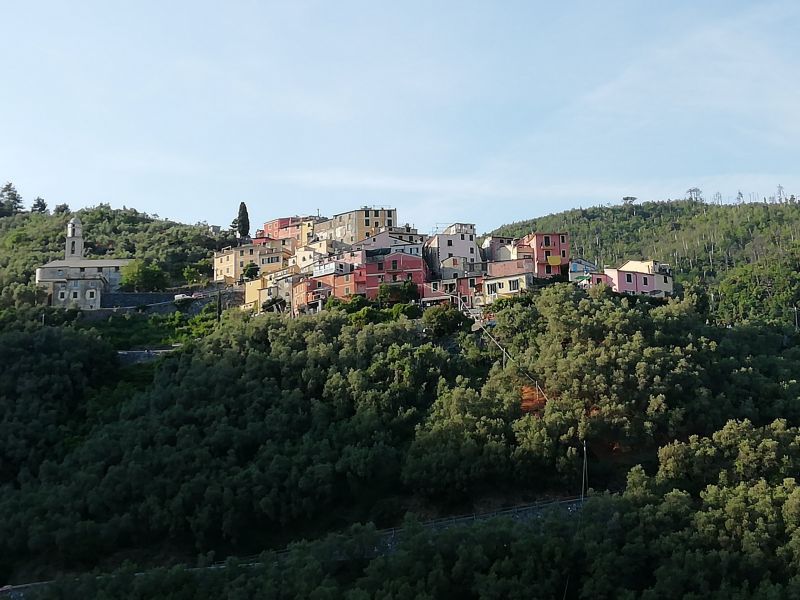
10	200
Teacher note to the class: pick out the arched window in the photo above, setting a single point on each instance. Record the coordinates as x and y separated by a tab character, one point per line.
72	247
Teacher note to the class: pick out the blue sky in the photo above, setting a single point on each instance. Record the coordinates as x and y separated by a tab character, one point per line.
486	112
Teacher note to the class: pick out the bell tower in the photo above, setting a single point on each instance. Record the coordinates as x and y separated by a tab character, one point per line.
74	248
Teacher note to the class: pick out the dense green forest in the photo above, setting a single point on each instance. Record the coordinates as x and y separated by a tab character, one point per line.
271	429
719	518
260	431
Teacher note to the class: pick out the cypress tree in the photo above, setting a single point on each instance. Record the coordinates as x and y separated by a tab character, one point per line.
243	221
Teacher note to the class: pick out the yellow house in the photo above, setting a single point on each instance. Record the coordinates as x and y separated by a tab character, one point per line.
230	263
265	287
503	286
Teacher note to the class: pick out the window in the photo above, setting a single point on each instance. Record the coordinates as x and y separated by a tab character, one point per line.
547	253
394	277
319	284
500	285
665	279
471	237
62	295
366	214
563	254
599	280
472	282
548	270
241	252
472	260
380	266
366	222
462	236
82	269
628	278
449	255
492	288
644	280
547	240
99	269
91	294
251	252
72	248
408	276
347	291
394	265
380	278
388	222
241	263
513	285
435	286
74	295
449	242
376	213
563	239
472	250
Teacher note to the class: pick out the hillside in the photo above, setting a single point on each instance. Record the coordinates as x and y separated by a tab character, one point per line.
743	259
30	239
696	238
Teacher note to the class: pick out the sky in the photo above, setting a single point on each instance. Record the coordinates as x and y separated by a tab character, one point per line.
484	112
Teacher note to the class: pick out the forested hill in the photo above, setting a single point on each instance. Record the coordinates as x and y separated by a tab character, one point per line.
30	239
696	238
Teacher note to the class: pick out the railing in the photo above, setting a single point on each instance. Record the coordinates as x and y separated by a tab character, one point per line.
386	542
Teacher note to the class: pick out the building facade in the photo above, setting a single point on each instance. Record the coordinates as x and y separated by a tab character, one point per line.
76	281
458	241
355	225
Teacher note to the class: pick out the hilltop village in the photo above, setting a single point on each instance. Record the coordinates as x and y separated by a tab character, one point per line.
295	264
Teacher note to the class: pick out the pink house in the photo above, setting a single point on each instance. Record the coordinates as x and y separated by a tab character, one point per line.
550	252
637	277
502	268
466	288
393	267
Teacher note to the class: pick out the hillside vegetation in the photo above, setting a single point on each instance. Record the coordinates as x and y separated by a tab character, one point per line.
745	255
270	428
30	239
264	430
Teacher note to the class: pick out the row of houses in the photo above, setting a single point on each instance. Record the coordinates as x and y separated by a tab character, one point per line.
298	263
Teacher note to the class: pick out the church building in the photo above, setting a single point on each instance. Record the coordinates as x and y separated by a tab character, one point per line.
78	282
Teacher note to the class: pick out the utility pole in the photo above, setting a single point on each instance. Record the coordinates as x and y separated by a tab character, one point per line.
585	474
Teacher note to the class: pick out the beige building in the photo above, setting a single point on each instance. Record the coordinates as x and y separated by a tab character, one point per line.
269	286
77	281
356	225
457	242
272	255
